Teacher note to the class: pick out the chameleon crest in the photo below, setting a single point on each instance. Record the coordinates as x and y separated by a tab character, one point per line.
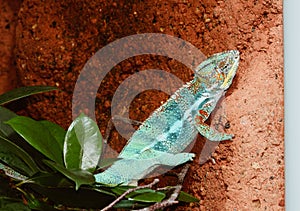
163	136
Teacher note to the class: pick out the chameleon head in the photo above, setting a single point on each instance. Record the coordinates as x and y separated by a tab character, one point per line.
218	71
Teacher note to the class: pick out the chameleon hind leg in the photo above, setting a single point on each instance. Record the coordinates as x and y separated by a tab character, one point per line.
208	132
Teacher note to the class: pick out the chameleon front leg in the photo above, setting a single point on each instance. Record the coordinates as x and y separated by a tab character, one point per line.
206	131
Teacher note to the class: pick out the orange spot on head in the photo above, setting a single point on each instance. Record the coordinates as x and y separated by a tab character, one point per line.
203	113
220	76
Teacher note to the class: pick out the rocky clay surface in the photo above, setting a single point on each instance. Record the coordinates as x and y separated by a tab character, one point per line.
49	42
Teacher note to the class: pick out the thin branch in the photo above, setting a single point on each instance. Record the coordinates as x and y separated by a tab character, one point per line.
172	199
183	173
155	181
129	121
166	203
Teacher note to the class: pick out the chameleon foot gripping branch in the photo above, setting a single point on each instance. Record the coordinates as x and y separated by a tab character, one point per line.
163	136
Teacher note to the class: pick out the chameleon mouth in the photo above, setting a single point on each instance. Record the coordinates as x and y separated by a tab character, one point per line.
234	56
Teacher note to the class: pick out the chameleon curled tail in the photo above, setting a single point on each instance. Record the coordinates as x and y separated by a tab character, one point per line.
163	136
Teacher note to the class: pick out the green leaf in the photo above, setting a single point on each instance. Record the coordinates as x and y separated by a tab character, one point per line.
21	92
127	204
5	115
12	204
53	179
149	197
60	190
80	177
102	190
83	144
119	190
16	158
56	131
38	136
141	195
85	197
185	197
107	162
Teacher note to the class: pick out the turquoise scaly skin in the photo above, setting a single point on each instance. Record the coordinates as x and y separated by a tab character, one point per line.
163	136
173	126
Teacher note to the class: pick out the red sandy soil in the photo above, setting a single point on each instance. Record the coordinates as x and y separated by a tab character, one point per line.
54	39
8	21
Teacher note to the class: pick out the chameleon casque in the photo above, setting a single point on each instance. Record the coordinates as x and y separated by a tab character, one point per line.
172	127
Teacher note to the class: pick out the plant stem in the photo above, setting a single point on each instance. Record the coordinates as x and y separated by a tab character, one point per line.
155	181
172	199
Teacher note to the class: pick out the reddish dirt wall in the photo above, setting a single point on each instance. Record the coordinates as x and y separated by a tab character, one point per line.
54	39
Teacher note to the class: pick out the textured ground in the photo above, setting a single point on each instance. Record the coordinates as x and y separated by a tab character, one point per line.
51	41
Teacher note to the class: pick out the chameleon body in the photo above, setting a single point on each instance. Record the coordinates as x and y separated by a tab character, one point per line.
163	136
